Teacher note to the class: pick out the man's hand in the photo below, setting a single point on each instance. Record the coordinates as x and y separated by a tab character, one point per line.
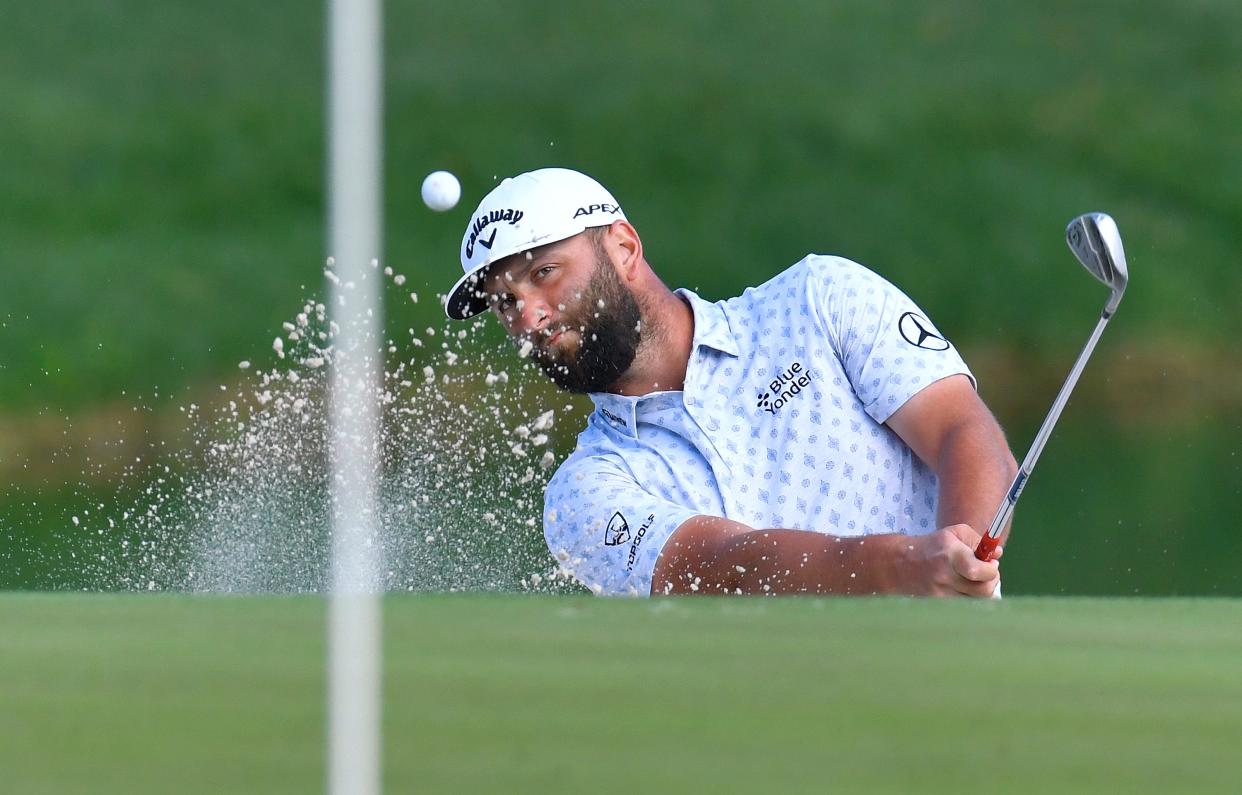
943	563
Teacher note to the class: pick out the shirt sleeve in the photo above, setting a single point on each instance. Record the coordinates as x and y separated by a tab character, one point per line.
889	348
604	528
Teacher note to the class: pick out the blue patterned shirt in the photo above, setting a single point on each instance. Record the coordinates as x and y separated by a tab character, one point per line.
780	424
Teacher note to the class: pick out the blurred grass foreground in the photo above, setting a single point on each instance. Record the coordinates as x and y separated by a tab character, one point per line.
124	693
161	214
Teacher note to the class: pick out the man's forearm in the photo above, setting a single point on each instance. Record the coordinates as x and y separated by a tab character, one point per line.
713	555
780	561
975	469
799	561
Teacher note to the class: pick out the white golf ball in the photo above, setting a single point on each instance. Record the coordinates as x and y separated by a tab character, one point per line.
441	190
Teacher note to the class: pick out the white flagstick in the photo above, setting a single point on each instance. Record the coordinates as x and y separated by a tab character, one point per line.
354	642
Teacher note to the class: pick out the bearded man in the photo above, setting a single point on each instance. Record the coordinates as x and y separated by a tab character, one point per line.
816	434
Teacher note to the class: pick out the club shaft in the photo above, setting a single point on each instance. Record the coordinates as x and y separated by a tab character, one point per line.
1005	511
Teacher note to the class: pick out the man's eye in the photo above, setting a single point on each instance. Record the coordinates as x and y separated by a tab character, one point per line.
545	270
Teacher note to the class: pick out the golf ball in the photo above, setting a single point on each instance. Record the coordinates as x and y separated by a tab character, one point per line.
441	190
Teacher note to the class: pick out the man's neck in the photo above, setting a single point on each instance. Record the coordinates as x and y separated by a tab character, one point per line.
664	350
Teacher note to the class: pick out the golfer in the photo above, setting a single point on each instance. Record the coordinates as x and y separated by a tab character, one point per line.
816	434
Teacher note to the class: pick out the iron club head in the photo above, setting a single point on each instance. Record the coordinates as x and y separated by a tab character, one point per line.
1094	239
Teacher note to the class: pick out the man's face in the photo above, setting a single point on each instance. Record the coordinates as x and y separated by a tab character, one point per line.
569	305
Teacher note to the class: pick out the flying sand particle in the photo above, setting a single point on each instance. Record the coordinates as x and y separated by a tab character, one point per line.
544	421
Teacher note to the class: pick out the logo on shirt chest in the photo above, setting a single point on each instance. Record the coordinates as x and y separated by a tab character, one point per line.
788	384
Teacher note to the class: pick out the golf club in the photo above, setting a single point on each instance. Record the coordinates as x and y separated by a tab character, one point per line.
1094	239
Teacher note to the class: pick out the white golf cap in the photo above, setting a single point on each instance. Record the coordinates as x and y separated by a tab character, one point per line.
522	212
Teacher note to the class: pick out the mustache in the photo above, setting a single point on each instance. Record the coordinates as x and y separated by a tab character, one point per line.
534	343
539	337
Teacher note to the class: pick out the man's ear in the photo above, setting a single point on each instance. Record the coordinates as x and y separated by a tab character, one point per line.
626	249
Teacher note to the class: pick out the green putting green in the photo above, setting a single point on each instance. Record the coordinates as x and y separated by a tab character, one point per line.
160	693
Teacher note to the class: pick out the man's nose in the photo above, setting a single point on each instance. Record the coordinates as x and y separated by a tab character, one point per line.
533	313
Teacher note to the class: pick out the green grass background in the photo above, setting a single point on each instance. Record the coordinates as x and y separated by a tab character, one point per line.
128	693
162	191
161	212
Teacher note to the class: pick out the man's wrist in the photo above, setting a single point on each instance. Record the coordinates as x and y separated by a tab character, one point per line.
902	567
889	563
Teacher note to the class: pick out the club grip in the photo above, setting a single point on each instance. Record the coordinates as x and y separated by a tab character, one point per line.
987	545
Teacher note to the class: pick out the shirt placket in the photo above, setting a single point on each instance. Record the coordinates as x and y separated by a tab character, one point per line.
708	424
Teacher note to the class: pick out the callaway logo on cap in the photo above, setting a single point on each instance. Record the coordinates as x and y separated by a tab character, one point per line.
522	212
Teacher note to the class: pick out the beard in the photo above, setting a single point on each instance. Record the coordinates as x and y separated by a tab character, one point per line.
606	318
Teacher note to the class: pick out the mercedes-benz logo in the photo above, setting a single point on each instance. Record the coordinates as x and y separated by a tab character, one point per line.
918	331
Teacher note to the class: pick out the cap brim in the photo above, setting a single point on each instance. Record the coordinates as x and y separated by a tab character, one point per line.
466	300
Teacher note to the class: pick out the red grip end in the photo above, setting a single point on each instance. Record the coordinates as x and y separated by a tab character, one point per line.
987	545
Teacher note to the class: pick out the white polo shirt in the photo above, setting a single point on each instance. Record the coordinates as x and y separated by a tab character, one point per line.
780	424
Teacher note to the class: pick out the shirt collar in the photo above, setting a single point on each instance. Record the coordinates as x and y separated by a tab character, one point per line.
711	326
711	330
618	411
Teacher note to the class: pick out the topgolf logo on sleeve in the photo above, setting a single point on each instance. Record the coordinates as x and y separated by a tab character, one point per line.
638	540
618	531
